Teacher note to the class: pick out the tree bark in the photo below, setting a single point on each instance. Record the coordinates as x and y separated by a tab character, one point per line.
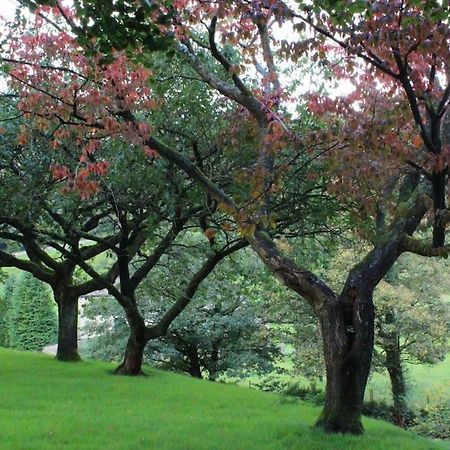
214	362
67	325
439	181
194	362
401	413
134	354
348	345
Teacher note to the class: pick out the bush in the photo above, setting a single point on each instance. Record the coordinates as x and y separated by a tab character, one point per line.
271	384
310	393
307	393
434	422
5	311
378	410
33	322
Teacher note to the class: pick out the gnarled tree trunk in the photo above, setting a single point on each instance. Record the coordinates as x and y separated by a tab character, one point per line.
348	344
67	325
134	352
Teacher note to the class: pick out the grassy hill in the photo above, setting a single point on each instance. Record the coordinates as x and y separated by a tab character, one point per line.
45	404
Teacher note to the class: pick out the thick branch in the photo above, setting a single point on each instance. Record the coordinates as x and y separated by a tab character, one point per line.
423	248
153	259
208	266
7	260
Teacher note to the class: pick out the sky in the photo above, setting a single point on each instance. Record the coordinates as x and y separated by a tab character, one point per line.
7	8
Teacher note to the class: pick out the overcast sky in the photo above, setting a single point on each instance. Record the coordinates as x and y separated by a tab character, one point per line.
7	7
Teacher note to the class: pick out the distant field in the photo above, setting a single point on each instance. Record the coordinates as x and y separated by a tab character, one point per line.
428	383
45	404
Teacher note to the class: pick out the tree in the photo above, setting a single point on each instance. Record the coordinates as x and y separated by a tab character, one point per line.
32	207
224	330
412	64
33	317
411	325
56	228
86	177
347	318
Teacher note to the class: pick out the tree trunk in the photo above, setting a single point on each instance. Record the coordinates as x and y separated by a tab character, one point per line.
134	354
214	362
401	413
439	181
194	363
67	326
348	345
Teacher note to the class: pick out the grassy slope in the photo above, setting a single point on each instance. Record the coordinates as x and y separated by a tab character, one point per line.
49	405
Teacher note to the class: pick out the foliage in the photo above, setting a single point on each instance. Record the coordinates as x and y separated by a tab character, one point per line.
33	317
413	300
6	310
310	393
4	335
185	413
434	421
379	410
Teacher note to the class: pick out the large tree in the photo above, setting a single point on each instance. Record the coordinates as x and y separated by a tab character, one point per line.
411	324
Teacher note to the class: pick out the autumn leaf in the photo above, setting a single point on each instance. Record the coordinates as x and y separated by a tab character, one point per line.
210	233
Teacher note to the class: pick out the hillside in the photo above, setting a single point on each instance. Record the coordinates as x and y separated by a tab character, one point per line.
45	404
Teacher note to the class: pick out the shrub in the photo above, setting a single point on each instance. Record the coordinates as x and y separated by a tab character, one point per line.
310	393
378	410
271	384
434	421
5	311
33	317
4	334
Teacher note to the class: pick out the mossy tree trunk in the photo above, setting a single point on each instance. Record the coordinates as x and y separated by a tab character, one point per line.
401	413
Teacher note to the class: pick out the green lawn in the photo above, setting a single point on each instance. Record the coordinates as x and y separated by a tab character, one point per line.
45	404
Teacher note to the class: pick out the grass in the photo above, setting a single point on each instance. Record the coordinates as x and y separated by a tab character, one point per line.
45	404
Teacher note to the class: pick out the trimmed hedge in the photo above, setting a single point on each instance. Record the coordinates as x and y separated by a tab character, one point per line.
5	311
33	320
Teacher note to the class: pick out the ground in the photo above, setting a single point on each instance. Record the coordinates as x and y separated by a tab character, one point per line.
45	404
